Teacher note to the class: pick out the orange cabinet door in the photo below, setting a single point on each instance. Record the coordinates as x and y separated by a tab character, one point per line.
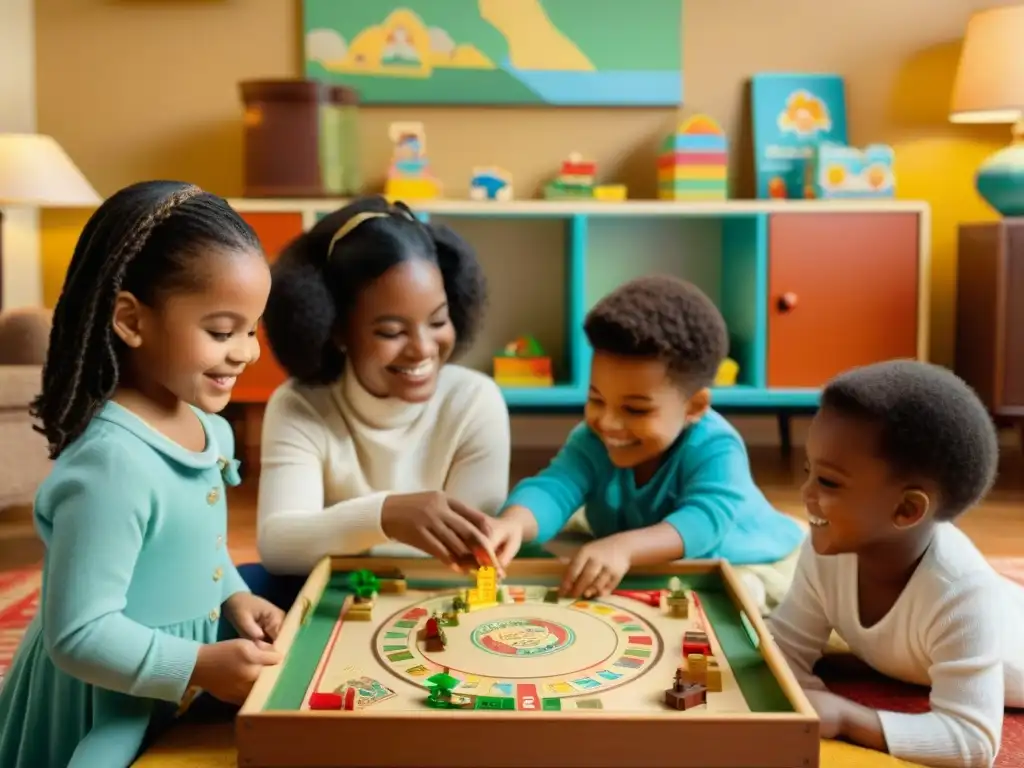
259	380
843	292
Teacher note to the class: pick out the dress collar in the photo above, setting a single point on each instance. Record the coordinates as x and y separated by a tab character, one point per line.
209	457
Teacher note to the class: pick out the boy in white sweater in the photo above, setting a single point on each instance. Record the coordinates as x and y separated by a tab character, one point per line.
896	453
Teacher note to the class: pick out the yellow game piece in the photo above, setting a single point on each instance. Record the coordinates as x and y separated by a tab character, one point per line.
696	669
713	675
485	594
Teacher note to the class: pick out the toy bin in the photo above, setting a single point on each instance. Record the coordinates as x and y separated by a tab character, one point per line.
299	138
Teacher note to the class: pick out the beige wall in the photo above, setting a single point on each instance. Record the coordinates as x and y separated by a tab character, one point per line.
22	283
146	89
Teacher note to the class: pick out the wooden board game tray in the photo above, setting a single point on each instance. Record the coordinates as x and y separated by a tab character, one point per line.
614	718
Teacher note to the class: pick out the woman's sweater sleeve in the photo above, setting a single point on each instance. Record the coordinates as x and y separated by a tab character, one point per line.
965	725
98	518
294	529
479	474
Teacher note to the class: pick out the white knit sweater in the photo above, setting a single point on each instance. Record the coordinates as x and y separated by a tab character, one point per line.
332	454
958	626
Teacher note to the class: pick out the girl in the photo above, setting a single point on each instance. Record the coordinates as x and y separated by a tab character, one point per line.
376	437
155	322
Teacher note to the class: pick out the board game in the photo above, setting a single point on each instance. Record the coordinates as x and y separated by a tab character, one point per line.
404	663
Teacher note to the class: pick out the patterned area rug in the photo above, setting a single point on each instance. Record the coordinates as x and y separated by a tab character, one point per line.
19	598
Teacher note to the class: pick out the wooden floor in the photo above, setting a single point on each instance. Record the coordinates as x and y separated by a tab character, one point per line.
997	526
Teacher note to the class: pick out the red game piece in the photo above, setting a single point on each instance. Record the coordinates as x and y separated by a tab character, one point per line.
647	596
432	629
350	699
325	701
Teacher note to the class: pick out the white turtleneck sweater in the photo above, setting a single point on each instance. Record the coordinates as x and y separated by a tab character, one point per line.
958	627
332	454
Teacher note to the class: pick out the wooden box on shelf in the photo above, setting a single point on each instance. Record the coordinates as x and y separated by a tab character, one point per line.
990	315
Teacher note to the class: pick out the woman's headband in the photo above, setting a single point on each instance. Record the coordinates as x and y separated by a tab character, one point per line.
355	221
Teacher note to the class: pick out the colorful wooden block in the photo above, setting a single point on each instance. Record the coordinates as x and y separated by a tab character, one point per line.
837	171
490	183
693	162
522	363
409	175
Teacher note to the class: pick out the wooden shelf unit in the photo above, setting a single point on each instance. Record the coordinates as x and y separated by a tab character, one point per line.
808	288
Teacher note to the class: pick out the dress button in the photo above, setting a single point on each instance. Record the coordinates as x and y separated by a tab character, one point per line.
220	542
212	496
218	573
214	614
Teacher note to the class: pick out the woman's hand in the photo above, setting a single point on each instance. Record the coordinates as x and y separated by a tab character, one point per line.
440	526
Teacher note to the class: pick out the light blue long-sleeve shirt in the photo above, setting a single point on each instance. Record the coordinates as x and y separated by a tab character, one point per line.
703	489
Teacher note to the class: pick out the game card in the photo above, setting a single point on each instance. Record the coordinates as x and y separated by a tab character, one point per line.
368	690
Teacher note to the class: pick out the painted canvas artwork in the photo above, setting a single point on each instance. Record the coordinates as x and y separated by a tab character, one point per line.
499	52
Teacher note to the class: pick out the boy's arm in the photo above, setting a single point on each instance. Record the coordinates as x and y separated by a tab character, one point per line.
965	724
556	492
709	499
800	624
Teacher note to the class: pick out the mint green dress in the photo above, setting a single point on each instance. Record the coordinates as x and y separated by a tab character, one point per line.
135	573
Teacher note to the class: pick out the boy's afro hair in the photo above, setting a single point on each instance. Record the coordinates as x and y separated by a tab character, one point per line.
933	426
664	317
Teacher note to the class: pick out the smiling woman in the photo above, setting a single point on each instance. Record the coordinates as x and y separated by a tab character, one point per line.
376	437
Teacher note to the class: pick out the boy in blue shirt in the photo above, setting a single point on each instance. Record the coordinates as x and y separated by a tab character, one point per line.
662	476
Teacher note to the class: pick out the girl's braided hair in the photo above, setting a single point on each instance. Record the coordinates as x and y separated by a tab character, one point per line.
143	240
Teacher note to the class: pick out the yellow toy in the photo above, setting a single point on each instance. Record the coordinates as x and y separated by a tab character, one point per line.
485	594
409	176
728	370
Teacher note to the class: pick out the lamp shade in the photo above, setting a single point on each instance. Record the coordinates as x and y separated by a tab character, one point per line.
989	86
36	171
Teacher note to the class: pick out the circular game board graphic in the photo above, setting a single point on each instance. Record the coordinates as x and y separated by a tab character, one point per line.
554	650
522	636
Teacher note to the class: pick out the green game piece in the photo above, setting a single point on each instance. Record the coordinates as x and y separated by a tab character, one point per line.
441	686
500	595
551	596
551	705
364	584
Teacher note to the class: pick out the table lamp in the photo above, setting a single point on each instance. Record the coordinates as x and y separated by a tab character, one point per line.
36	172
989	88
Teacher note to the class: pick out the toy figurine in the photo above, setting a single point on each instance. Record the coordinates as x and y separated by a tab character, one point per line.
409	176
683	695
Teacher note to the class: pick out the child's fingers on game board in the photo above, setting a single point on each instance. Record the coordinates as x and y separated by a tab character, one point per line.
580	575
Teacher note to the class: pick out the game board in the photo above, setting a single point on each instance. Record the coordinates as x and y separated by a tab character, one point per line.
426	668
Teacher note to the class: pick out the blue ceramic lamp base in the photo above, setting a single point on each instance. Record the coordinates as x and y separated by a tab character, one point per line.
1000	179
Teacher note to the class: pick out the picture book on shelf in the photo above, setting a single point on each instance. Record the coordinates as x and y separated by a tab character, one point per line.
791	115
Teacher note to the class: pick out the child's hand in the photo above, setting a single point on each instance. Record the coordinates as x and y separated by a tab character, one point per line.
831	710
437	524
253	617
597	569
227	670
506	539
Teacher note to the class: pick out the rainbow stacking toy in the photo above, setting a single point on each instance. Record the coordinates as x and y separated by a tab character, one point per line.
693	162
